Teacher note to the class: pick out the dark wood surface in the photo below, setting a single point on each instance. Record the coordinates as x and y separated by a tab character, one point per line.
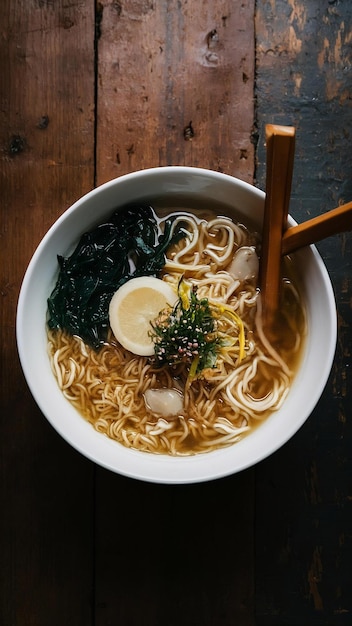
90	92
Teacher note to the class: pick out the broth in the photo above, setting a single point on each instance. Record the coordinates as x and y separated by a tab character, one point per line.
226	402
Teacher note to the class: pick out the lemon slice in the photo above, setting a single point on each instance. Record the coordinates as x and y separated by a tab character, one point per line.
133	306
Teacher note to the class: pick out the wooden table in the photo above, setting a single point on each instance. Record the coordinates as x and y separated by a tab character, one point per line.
89	93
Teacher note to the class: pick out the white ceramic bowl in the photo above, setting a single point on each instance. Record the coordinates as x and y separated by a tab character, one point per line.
195	187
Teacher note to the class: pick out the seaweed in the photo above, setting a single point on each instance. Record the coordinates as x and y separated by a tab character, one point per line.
126	246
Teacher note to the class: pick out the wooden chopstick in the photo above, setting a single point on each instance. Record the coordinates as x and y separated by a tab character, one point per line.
280	145
332	222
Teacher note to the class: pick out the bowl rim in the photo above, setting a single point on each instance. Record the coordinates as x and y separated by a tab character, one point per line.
162	468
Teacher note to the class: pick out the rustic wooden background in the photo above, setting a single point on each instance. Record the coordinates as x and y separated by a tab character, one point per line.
92	91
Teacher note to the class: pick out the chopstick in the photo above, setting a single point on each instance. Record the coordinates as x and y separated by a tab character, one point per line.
330	223
280	145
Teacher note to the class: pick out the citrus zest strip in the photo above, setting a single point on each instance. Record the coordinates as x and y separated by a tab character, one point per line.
223	308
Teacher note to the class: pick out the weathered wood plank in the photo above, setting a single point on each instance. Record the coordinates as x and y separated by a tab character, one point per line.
303	537
174	555
181	554
160	550
47	161
175	86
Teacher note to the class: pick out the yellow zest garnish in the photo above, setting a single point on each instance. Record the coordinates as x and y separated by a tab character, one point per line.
183	293
241	338
193	369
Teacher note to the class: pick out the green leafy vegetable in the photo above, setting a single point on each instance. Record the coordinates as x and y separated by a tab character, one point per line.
126	246
187	334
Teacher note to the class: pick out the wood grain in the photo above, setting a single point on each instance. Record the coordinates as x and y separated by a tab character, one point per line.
333	222
47	161
175	86
303	521
179	555
88	92
280	149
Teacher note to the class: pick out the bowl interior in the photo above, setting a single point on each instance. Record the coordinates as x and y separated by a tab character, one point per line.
187	187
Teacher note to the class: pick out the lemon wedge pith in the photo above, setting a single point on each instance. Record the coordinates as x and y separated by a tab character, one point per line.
133	306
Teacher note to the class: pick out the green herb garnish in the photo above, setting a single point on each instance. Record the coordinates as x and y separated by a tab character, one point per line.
186	335
109	255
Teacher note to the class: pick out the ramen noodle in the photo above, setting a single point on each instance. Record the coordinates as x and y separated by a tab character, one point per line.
118	392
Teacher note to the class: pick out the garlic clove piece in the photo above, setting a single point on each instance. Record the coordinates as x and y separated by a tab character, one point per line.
164	402
245	264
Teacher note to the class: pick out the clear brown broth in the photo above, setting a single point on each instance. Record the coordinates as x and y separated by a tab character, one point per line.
291	311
